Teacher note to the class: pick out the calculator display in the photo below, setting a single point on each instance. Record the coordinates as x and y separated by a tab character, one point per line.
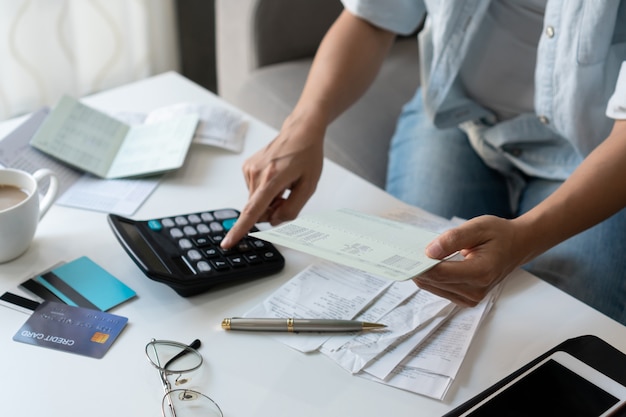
138	243
184	251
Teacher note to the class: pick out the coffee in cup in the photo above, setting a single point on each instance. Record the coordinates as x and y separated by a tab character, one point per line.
10	196
21	208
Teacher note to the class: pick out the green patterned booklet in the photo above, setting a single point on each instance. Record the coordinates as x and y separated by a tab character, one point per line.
95	142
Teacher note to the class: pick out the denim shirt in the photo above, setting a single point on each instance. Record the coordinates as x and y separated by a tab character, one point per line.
580	52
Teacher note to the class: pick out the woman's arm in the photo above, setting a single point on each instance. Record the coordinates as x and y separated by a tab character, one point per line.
345	65
493	247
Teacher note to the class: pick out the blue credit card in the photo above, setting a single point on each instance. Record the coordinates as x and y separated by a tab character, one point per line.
71	329
84	283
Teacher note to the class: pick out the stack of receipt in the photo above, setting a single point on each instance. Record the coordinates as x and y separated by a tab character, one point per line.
427	337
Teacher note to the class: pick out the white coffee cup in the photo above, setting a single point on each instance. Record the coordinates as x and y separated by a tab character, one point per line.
20	213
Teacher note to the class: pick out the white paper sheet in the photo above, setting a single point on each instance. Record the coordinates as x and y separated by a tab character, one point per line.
430	368
394	296
218	126
417	313
446	348
120	196
373	244
323	290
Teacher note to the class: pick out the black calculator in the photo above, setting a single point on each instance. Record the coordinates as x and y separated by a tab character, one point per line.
184	251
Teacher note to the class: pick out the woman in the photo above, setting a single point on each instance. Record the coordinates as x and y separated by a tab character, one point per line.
519	125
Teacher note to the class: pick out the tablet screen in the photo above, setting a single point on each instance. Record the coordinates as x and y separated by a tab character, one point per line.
549	390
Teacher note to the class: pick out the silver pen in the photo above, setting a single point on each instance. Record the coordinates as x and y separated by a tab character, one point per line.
297	325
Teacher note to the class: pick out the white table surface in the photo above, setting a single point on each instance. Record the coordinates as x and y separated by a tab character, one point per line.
247	374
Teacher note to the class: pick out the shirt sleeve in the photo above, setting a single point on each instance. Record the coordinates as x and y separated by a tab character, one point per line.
398	16
616	109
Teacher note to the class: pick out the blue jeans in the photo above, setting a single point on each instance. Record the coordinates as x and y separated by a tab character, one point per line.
439	171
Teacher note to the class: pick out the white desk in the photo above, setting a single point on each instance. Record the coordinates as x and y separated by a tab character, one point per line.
249	374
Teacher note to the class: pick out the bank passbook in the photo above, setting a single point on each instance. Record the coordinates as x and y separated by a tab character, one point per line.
71	329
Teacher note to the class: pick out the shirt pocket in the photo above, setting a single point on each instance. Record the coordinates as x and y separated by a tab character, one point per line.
596	30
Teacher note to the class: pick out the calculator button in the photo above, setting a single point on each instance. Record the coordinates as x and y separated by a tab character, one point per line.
155	225
243	246
203	228
181	220
211	253
176	233
236	261
194	218
203	266
190	231
202	241
228	223
217	239
225	251
252	258
219	264
185	244
225	214
269	256
216	227
207	217
168	223
259	244
194	255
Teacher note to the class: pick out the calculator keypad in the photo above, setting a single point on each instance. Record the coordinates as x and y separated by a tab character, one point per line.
198	238
184	252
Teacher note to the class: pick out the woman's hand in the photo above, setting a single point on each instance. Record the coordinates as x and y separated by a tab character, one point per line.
492	248
281	178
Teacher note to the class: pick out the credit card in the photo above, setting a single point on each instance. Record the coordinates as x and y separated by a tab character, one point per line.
71	329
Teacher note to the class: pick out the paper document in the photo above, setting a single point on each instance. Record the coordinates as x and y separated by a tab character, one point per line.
427	337
218	126
383	247
102	145
395	295
431	366
324	291
122	196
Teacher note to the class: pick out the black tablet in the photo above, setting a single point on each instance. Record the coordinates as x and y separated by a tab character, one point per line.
583	377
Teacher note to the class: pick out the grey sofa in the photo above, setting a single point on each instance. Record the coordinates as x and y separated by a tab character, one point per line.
264	49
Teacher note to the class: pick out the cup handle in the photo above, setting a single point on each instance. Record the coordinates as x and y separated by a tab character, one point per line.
53	188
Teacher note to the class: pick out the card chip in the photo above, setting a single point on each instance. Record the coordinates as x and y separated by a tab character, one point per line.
99	337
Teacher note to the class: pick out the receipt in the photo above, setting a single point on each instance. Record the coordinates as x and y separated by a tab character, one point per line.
386	248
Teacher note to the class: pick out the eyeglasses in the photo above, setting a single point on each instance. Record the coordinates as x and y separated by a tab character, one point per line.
173	358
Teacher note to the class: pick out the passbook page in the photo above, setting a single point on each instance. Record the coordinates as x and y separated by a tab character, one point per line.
108	148
80	136
154	148
376	245
76	189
